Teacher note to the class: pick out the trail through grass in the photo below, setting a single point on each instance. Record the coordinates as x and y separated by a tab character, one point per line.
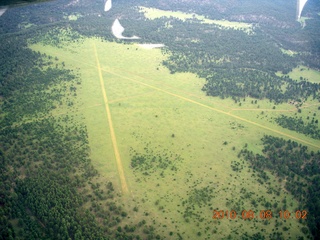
217	110
151	110
113	135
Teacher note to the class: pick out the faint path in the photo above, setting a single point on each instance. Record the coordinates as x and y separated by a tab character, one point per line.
184	98
215	109
124	185
131	97
310	105
201	97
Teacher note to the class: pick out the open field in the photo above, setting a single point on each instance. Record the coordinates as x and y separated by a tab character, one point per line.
310	75
157	113
124	186
153	13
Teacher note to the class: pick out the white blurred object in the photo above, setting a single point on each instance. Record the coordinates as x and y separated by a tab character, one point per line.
117	31
108	5
2	11
151	45
300	6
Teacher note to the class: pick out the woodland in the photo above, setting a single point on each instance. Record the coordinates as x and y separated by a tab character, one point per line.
45	164
296	165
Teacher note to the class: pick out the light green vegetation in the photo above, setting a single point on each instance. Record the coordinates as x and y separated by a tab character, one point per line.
153	13
288	52
303	21
168	114
25	25
304	73
74	17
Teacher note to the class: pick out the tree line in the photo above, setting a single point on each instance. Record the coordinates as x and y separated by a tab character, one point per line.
49	188
297	124
298	167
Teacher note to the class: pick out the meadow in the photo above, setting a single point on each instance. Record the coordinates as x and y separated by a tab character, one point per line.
305	73
166	116
153	13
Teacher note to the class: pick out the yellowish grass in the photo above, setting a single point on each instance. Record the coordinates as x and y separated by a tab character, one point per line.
113	135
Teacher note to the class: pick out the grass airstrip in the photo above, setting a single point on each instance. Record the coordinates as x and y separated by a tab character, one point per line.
131	103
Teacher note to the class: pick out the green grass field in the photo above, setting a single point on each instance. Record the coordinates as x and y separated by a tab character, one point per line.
153	13
168	114
305	73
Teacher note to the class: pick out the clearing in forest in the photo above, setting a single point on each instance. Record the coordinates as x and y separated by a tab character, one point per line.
166	117
153	13
302	72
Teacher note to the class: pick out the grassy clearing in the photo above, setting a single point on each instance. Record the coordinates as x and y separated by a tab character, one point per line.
74	17
147	107
304	73
124	186
288	52
153	13
25	25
